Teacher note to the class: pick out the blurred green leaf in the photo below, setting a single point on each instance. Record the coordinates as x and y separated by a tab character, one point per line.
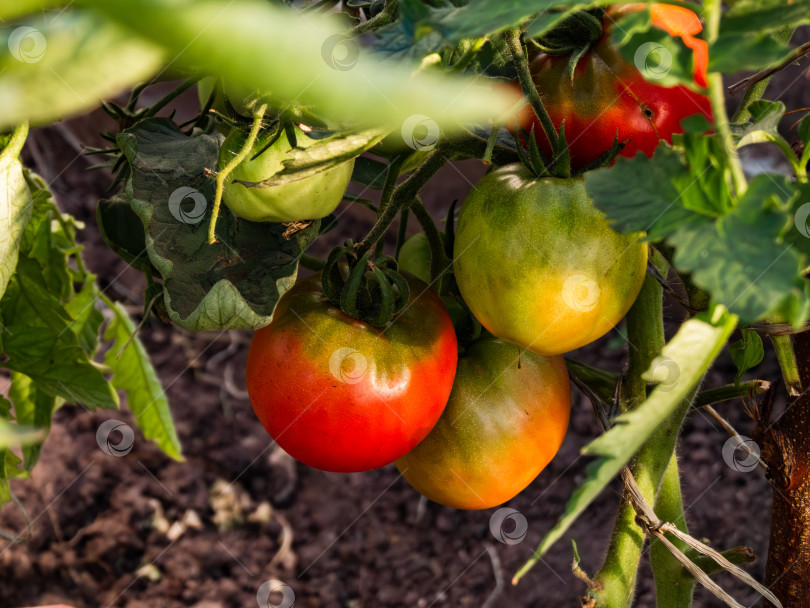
133	372
54	67
19	8
15	204
736	52
747	352
762	16
274	50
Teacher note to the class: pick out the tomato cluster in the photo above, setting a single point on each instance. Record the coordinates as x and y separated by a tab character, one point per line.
469	420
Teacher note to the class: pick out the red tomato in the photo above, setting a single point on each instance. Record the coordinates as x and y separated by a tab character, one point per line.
341	395
609	94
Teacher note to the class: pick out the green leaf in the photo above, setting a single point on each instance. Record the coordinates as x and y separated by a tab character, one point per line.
763	125
20	8
747	352
804	130
684	360
369	172
642	194
15	204
742	259
233	284
274	49
123	232
764	16
134	373
9	461
736	52
58	67
34	409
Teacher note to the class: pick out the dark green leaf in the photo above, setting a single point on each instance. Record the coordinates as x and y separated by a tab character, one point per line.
369	172
233	284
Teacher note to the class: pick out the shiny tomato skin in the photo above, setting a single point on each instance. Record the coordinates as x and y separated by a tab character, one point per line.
609	95
539	266
341	395
309	198
505	420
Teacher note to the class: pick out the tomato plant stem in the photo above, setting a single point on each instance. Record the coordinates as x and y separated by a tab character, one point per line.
672	588
645	332
439	262
225	173
783	345
530	91
391	178
402	232
384	17
402	197
717	96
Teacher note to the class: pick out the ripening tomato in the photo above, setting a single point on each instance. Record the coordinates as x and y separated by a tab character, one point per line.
506	418
309	198
539	265
609	94
341	395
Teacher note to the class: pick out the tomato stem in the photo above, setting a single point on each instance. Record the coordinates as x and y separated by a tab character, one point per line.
783	345
439	261
391	177
402	197
384	17
531	94
225	173
717	96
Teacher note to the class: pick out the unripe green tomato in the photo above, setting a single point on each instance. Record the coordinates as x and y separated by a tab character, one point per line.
540	266
309	198
414	256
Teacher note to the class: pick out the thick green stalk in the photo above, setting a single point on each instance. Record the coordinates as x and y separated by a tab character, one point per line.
672	588
645	330
783	345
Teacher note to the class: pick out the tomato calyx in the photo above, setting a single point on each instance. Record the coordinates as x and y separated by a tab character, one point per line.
364	288
575	35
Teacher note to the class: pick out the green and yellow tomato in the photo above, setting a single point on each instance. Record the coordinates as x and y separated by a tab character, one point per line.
505	420
309	198
538	264
339	394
